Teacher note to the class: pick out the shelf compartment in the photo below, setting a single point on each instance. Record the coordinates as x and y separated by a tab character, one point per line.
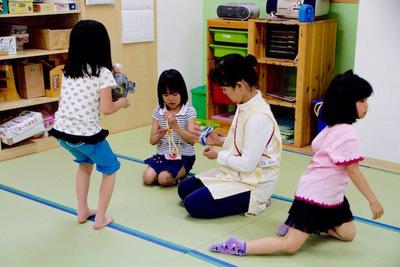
282	41
278	62
277	102
27	147
26	103
279	81
39	14
33	53
224	118
285	119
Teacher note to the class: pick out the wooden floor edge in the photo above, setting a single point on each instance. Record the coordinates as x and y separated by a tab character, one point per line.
369	162
382	164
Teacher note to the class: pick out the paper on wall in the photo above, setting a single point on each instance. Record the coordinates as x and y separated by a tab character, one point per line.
99	2
137	26
137	4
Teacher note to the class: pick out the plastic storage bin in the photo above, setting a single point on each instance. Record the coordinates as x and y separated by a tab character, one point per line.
222	50
199	101
230	36
317	104
219	96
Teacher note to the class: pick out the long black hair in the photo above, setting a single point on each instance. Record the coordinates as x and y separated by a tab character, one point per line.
89	50
233	68
339	104
171	81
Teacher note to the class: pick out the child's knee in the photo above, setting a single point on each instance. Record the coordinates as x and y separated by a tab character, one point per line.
165	179
292	248
349	236
148	178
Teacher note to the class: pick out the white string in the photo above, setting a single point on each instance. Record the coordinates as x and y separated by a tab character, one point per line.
170	134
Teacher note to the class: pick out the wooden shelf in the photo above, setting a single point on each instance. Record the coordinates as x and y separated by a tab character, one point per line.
26	103
39	14
55	20
231	24
278	102
33	53
309	74
28	147
279	62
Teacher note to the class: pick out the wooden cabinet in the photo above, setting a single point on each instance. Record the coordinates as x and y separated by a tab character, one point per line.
62	20
295	66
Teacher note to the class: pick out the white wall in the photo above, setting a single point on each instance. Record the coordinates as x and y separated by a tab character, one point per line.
179	38
378	61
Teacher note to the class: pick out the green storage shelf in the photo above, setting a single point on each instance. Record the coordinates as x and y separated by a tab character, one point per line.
229	36
222	50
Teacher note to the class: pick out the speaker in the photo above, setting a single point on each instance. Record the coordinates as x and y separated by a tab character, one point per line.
238	11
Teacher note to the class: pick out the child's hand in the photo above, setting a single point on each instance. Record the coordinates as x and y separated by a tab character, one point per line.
171	119
210	153
161	132
213	139
124	102
377	209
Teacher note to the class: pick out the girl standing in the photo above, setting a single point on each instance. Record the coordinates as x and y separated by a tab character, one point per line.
173	122
86	91
250	155
320	204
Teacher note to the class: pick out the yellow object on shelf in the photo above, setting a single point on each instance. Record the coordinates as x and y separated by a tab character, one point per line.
55	82
8	90
20	7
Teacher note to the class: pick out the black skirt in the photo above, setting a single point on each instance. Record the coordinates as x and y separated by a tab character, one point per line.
314	219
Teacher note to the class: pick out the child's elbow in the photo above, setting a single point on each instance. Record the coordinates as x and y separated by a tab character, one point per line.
106	110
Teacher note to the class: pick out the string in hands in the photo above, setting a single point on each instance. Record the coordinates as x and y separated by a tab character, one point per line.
173	149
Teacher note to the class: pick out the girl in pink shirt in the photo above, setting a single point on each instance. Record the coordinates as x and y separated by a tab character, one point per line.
320	204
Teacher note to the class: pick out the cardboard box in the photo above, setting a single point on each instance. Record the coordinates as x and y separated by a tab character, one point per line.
50	39
26	125
30	80
20	7
8	44
43	7
65	7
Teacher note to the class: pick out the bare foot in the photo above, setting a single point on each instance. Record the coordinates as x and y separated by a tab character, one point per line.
84	216
106	221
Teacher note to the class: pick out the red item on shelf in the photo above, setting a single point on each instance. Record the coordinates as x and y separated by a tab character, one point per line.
219	96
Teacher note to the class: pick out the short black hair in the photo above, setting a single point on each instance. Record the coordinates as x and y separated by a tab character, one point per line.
171	81
89	50
339	104
233	68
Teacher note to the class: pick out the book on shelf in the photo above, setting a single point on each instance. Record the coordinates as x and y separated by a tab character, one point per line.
224	117
286	96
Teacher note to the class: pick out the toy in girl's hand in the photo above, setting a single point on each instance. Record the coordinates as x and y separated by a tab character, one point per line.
123	85
205	133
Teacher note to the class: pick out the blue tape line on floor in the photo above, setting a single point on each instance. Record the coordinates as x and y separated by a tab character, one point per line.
286	199
122	228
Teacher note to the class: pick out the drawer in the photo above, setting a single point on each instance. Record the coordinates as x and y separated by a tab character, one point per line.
222	50
229	36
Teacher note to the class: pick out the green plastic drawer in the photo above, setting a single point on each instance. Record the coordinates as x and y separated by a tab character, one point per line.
230	36
222	50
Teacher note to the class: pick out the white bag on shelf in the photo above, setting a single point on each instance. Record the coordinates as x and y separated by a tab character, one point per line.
25	125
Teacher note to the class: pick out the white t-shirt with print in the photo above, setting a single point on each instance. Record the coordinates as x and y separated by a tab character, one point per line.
79	106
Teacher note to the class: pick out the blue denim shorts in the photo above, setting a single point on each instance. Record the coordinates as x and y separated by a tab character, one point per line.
99	154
